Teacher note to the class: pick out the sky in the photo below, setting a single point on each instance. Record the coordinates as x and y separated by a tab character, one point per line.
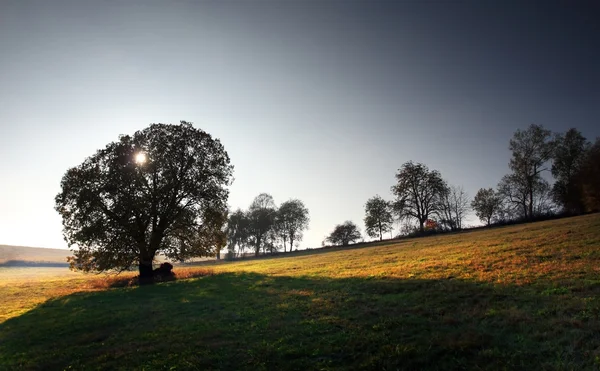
317	100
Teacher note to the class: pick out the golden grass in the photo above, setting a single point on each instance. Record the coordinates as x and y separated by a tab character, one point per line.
558	252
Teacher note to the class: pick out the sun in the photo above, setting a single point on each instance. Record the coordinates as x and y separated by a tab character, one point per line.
140	157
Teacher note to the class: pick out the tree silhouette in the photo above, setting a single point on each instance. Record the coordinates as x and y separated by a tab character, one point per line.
531	149
161	190
292	219
344	234
454	207
379	217
418	191
567	160
261	216
590	175
486	204
237	231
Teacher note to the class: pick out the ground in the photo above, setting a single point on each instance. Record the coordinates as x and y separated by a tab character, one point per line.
520	297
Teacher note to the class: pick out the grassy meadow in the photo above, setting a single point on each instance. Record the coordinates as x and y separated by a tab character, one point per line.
520	297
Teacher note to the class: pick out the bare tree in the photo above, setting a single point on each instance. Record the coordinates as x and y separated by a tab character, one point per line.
418	192
454	207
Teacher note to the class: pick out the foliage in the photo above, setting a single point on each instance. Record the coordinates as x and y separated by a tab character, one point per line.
568	157
261	218
418	191
344	234
486	204
590	178
379	217
117	212
237	232
291	220
531	150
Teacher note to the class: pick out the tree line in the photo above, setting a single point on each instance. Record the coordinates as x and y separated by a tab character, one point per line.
164	190
424	198
266	227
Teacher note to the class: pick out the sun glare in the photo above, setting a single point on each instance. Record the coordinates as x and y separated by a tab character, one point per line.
140	158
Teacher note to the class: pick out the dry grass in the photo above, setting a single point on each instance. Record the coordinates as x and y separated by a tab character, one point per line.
517	297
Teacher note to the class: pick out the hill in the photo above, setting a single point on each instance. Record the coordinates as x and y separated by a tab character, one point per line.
32	256
518	297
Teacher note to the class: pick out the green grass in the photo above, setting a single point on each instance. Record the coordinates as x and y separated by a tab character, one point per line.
520	297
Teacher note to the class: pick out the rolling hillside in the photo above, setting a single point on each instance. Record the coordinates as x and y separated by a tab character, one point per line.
520	297
21	255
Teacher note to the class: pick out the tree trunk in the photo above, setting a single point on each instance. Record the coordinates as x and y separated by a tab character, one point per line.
531	203
146	272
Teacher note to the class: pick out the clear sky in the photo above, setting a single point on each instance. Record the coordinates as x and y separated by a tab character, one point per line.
317	100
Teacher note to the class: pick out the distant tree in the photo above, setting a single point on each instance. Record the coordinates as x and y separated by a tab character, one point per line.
379	218
516	194
486	204
344	234
568	157
418	192
454	207
261	216
237	232
162	190
292	219
531	149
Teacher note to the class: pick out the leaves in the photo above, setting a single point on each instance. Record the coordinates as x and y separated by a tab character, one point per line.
344	234
117	211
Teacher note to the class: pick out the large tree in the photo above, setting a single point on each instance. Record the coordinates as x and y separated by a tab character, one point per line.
162	190
567	160
261	216
486	204
291	220
344	234
418	191
531	150
379	218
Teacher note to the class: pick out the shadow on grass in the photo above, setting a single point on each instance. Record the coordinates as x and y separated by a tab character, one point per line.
252	321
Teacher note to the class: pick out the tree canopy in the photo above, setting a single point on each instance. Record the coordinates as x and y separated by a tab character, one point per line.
568	158
344	234
486	204
261	216
292	219
418	191
379	217
162	190
531	150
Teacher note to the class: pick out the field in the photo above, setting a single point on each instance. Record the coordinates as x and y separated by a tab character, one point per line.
20	255
521	297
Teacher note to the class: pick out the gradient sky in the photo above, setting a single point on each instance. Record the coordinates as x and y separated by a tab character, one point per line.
317	100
